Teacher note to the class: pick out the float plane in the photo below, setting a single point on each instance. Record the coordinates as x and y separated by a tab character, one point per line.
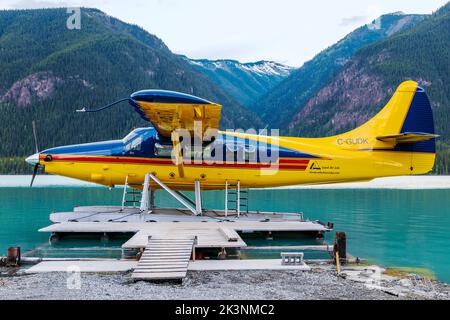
184	149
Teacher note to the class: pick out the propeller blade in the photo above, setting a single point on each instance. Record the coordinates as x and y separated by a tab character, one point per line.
35	170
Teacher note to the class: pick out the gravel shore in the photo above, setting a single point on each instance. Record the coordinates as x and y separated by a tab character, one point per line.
259	285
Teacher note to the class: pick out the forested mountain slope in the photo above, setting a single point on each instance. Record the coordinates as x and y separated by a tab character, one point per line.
48	71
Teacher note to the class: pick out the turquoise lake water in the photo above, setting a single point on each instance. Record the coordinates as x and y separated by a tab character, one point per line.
395	228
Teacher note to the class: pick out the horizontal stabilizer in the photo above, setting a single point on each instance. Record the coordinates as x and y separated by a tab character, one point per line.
408	137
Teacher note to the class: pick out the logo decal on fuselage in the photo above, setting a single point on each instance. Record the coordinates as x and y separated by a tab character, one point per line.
324	168
315	166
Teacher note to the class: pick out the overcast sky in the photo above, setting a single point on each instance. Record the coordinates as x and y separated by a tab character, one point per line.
287	31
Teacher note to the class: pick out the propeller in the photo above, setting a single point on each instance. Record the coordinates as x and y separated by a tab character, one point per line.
35	171
36	166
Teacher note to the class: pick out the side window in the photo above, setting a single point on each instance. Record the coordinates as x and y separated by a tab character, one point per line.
242	152
163	150
250	153
231	152
209	152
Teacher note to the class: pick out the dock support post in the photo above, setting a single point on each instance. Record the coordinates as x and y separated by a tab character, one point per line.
340	247
54	237
193	248
198	198
226	198
238	198
144	197
338	263
14	256
124	192
152	199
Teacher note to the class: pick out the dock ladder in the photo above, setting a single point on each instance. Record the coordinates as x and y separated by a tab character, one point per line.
164	259
132	197
236	199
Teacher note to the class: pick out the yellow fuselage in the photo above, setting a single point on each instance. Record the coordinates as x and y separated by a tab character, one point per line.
331	164
398	141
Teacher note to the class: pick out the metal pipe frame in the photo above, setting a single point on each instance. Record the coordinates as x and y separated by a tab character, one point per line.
174	194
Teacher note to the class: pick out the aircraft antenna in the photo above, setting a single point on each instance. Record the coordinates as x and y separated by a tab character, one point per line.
105	107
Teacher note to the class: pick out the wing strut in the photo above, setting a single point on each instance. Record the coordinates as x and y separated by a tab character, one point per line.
178	153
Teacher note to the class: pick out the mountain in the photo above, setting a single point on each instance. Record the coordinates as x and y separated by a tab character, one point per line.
246	82
48	71
278	106
368	80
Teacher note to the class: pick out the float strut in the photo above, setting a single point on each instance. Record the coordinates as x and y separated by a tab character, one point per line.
198	198
173	194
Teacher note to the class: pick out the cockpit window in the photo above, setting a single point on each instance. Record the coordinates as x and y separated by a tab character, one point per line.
130	136
139	142
135	144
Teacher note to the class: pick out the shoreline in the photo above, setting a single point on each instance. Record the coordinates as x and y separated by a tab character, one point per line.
321	283
400	183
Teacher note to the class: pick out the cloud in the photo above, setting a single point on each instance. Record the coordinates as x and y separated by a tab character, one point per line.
37	4
373	12
354	20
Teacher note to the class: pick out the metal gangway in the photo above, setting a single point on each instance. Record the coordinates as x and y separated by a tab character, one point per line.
164	258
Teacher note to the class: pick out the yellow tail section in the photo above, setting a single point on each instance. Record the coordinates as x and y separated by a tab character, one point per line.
404	125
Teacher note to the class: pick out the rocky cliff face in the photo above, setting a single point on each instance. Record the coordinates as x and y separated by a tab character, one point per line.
40	85
344	103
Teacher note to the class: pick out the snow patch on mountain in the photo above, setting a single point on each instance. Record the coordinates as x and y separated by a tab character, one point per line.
261	67
244	81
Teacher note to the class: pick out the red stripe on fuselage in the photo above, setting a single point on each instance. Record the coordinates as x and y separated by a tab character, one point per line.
286	164
294	161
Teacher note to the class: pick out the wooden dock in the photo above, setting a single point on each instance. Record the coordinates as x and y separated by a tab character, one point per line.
212	229
165	236
164	259
210	234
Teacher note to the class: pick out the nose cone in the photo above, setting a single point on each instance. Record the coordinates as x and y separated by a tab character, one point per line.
33	160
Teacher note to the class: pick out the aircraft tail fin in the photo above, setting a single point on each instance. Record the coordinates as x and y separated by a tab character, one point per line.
405	124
